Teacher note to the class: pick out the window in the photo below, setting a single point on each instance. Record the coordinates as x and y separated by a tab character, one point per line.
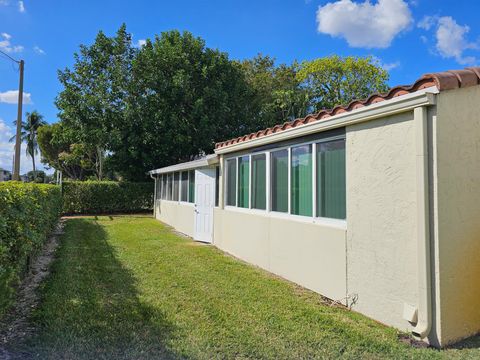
331	184
191	186
259	182
184	186
169	186
157	187
279	180
243	181
164	186
217	184
301	180
231	182
176	187
308	179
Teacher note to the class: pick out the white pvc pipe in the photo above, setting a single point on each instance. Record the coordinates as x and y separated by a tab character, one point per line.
424	324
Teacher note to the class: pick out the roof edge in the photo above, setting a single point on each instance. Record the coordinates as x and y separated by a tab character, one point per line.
208	160
424	97
447	80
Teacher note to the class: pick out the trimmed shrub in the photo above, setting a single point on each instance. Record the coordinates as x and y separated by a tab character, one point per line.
28	213
106	197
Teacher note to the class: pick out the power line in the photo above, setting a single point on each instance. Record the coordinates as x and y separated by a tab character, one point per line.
8	56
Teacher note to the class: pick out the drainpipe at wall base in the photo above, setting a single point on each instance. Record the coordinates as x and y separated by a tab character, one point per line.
154	196
424	323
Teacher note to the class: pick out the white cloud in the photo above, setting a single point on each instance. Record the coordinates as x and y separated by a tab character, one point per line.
391	66
11	97
38	50
141	42
386	66
21	6
366	24
427	22
6	45
450	38
451	41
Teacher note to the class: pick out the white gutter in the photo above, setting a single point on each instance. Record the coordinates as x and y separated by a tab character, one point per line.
381	109
424	324
205	161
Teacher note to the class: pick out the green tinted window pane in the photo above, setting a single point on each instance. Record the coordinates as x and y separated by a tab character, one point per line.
170	187
279	180
191	186
184	186
231	182
259	192
301	180
331	180
243	181
176	185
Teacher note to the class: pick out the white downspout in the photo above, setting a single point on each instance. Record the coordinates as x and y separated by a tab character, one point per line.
154	196
424	323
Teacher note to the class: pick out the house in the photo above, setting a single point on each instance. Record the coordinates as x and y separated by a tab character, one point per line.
375	204
5	175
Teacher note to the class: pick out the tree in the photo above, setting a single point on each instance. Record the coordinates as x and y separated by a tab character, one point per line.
61	150
278	96
183	97
37	176
29	133
336	80
92	101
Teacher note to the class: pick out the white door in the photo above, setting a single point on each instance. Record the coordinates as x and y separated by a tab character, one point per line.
204	203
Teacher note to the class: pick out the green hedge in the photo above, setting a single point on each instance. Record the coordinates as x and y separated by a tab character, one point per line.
28	213
106	197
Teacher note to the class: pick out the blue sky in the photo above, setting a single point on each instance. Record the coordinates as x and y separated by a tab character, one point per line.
408	37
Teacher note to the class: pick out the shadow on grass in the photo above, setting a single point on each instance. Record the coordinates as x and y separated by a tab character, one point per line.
91	307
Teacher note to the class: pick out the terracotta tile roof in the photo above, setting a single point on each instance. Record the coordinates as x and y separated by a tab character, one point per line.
447	80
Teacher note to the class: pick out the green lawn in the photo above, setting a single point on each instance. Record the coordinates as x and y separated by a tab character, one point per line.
127	287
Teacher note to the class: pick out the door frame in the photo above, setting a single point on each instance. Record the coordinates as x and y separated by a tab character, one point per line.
210	173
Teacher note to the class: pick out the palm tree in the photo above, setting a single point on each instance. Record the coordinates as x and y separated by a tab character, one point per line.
29	134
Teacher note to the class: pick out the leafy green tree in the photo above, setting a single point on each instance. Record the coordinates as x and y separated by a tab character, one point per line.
183	97
33	121
278	96
336	80
37	176
92	101
62	151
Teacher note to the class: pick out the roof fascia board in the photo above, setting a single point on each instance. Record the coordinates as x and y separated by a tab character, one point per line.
424	97
195	164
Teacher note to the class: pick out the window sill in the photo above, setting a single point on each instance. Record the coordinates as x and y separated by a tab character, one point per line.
177	202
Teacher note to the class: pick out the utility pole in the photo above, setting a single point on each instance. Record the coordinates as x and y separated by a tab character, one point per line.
18	139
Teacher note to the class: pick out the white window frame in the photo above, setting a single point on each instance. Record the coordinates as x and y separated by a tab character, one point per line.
267	175
341	223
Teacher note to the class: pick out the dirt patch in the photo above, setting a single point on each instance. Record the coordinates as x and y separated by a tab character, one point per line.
15	324
409	340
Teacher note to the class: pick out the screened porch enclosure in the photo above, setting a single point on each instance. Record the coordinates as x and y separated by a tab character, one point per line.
305	180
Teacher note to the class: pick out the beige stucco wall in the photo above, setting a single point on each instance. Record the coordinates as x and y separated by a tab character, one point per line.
381	215
177	214
457	137
306	253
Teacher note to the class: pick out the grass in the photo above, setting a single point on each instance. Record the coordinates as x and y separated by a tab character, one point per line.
128	287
